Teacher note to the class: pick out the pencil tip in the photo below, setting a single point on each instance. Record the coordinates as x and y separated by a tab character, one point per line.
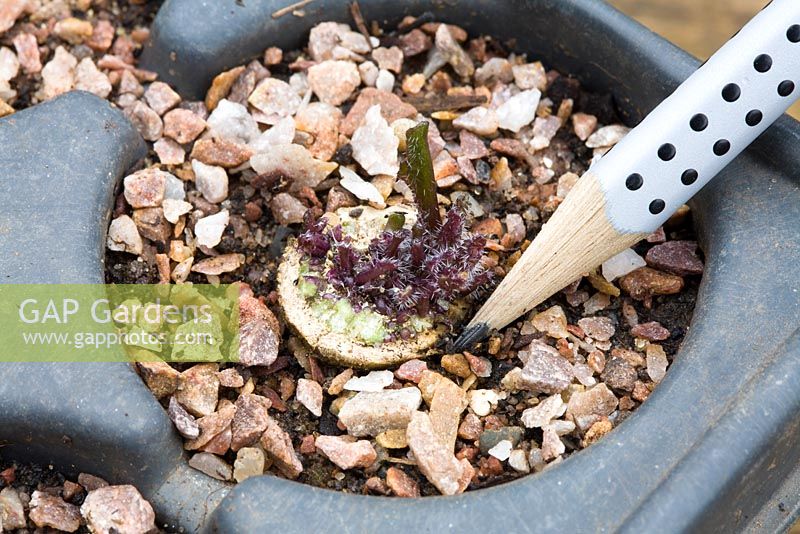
470	336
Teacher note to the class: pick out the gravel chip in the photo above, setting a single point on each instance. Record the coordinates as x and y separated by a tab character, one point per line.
540	415
362	189
309	394
607	136
676	257
250	462
519	110
211	465
375	145
50	511
372	382
278	445
183	125
208	230
370	413
123	236
294	162
58	75
161	98
117	509
334	81
623	263
184	422
435	461
89	78
656	363
211	181
275	98
346	452
232	122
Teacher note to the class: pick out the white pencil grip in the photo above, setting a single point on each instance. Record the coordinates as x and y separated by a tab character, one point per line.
712	117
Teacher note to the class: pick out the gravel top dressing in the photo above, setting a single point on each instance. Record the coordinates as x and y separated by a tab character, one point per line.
368	192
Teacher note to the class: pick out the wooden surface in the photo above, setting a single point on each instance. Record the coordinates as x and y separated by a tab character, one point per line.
698	26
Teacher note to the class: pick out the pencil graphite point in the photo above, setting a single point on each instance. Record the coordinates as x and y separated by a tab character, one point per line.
471	336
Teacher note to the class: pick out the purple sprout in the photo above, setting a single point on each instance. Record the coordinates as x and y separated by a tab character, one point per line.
404	272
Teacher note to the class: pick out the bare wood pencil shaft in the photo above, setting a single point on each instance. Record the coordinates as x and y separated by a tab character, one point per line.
577	238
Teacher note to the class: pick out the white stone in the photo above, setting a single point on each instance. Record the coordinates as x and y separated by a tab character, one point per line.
282	133
275	98
656	363
124	236
607	136
375	145
374	381
369	73
232	122
208	230
250	462
544	129
530	76
173	187
173	209
623	263
211	181
541	414
89	78
58	76
334	40
483	401
294	162
370	413
519	110
9	64
309	394
480	120
362	189
518	460
385	80
502	450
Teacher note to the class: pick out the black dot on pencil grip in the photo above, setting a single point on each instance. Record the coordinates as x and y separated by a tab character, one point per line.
666	152
634	181
722	147
753	117
657	206
699	122
785	88
731	92
793	33
763	63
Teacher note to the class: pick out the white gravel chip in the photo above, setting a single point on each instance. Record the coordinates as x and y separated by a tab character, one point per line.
375	145
502	450
362	189
124	236
282	133
519	110
374	381
209	229
173	209
309	394
607	136
480	120
211	181
623	263
385	80
232	122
